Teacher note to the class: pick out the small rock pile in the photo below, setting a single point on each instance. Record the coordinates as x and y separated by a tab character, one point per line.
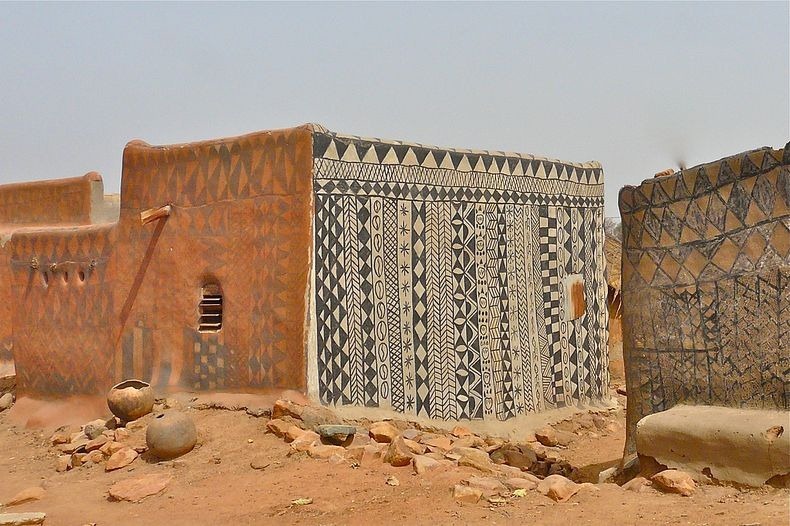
106	442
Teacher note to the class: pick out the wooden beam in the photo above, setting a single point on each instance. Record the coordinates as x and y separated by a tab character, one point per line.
152	214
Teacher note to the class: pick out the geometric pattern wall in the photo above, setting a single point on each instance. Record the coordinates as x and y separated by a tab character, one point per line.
706	286
439	279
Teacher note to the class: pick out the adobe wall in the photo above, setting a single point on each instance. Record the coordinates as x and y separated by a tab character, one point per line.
706	294
443	280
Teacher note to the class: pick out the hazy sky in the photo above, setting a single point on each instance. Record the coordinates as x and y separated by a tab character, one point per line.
637	86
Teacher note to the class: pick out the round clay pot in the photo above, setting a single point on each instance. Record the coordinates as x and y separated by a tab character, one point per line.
170	435
131	399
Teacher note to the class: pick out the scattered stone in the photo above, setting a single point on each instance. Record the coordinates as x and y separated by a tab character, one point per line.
293	432
460	432
6	401
674	481
392	480
336	434
63	463
96	443
22	519
557	488
94	428
474	458
512	455
259	463
607	474
439	444
487	485
120	459
522	483
508	471
412	434
111	448
365	455
469	441
547	436
138	488
600	422
278	427
360	439
287	408
259	412
422	463
323	451
415	447
398	453
637	485
121	434
78	459
95	456
466	494
62	436
26	495
75	446
305	441
383	432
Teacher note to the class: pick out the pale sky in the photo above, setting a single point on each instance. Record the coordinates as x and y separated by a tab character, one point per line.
636	86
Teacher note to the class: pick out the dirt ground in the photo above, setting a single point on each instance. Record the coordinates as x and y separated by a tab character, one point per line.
214	484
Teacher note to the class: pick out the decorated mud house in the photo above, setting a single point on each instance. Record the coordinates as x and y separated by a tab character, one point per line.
442	283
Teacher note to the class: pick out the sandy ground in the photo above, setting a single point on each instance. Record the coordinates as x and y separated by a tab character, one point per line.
214	484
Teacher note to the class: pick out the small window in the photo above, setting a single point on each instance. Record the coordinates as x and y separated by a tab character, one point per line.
211	309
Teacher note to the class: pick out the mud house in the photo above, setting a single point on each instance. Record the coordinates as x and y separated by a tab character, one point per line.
450	284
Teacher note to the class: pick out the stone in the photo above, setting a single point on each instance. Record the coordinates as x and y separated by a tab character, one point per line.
547	436
6	401
283	408
439	444
557	488
22	519
63	463
521	458
637	484
564	438
466	494
360	439
293	432
522	483
607	474
415	447
26	495
365	455
398	453
78	459
305	441
121	434
323	451
278	427
421	464
110	448
137	488
412	434
473	458
94	428
487	485
120	459
95	456
392	480
469	441
96	443
62	436
336	434
674	481
460	432
383	432
75	446
260	462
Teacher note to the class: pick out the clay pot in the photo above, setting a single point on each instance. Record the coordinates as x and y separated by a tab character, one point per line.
131	399
170	435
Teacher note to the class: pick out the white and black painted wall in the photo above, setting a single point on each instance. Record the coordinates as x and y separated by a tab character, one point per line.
442	280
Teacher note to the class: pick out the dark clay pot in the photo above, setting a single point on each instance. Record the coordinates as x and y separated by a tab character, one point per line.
131	399
170	435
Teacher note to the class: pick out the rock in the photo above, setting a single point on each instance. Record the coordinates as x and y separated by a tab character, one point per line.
360	439
26	495
674	481
557	488
474	458
75	446
487	485
336	434
260	463
78	459
383	432
421	464
508	471
62	436
522	483
460	432
311	416
94	428
278	427
95	456
96	443
293	432
283	408
414	447
607	474
439	444
121	434
323	451
111	448
392	480
398	453
138	488
305	441
599	422
412	434
6	401
565	438
637	484
547	436
466	494
120	459
22	519
171	435
469	441
522	458
63	463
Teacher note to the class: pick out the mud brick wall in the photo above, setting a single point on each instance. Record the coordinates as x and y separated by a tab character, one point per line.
706	286
442	279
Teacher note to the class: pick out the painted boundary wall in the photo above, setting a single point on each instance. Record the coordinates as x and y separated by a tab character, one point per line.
706	286
440	279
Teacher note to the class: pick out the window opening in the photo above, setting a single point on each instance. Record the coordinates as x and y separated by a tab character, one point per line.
210	309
